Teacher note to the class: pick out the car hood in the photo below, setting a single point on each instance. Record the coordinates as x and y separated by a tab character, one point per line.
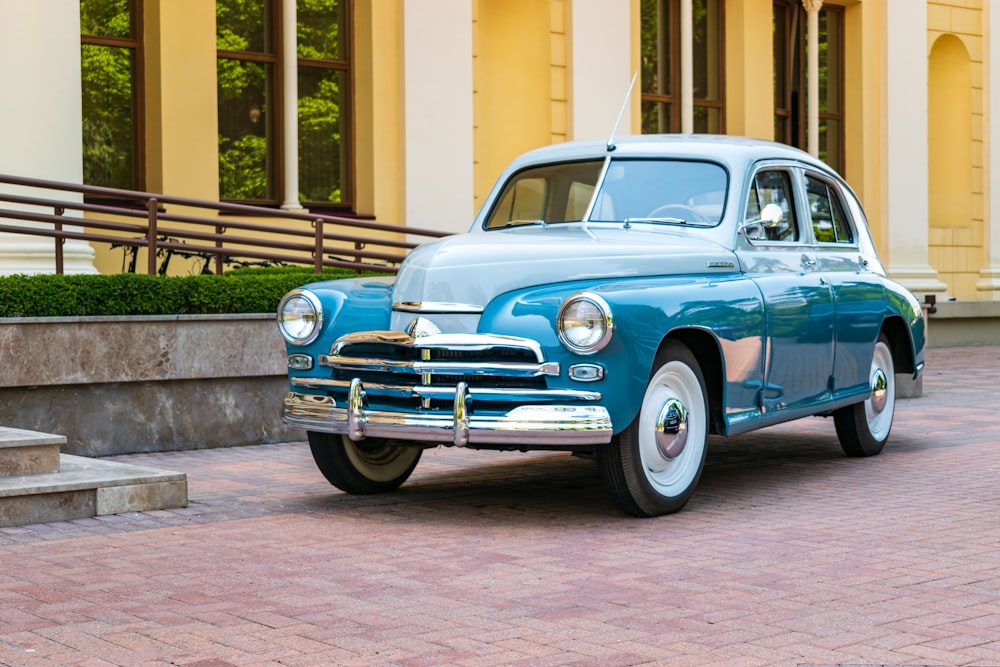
472	269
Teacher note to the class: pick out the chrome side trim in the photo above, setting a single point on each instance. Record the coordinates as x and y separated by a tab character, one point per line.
355	364
561	425
448	392
437	307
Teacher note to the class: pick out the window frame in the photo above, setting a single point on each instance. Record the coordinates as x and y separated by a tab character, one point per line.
836	193
138	83
345	65
790	86
673	53
794	188
276	159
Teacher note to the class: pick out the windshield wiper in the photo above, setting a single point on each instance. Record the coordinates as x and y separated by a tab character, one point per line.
669	221
519	223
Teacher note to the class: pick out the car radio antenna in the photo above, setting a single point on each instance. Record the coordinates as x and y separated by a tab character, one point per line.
628	94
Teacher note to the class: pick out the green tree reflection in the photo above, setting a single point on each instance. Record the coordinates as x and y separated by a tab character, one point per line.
107	75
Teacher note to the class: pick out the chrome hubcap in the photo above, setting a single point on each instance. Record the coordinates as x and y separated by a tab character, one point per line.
880	387
671	428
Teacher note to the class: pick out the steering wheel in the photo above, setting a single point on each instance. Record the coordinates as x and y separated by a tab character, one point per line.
687	213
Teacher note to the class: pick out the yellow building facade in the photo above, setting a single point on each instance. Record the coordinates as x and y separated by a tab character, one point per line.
432	98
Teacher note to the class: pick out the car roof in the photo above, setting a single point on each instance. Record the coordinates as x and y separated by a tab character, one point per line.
732	150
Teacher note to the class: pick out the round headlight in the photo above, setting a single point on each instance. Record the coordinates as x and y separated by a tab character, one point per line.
584	323
300	317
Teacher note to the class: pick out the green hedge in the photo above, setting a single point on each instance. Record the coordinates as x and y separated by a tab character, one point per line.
238	291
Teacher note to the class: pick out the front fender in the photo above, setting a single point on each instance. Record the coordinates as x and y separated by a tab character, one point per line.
349	305
645	311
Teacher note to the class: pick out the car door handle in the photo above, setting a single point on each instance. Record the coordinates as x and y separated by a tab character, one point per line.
808	262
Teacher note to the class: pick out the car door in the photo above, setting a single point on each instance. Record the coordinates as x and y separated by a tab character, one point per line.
798	302
857	290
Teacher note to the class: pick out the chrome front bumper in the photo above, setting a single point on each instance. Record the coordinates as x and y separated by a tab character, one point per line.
533	424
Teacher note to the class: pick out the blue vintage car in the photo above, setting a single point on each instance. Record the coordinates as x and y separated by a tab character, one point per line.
623	300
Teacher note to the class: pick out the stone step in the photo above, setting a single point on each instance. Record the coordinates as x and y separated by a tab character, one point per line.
28	452
79	487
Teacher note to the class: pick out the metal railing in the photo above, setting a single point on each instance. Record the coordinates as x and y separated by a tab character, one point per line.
136	220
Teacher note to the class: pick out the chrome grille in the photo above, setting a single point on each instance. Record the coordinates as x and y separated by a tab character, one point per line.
394	363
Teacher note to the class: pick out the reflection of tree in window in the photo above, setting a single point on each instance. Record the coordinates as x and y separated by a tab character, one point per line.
829	220
108	69
245	71
660	65
249	123
323	85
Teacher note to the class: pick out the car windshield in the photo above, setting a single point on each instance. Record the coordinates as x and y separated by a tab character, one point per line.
633	190
551	193
670	191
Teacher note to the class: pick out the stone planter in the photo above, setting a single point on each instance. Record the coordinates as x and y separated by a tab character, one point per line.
120	385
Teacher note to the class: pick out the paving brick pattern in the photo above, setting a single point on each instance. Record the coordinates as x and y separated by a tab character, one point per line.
789	554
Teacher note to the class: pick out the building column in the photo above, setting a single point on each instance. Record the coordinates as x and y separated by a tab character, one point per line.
812	74
182	99
437	114
906	173
598	77
687	67
290	105
988	284
40	125
749	62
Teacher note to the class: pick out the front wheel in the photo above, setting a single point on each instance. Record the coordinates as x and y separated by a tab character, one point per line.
372	465
863	428
652	467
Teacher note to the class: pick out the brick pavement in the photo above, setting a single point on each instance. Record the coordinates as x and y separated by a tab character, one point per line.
789	554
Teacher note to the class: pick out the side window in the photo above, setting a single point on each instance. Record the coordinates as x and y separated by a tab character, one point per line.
772	186
829	218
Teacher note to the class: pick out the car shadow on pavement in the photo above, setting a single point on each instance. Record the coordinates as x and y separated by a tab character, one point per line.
539	487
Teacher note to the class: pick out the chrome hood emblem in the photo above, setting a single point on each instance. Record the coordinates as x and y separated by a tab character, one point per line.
420	327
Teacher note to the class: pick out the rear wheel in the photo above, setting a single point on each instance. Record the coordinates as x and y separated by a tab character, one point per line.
372	465
653	466
863	428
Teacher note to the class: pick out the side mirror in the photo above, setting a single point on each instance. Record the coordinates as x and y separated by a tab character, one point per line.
770	217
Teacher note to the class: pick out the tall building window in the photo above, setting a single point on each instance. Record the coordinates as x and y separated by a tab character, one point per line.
110	70
324	91
661	59
790	80
250	90
247	56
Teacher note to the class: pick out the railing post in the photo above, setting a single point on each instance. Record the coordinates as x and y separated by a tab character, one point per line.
60	241
358	245
318	250
220	230
151	209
